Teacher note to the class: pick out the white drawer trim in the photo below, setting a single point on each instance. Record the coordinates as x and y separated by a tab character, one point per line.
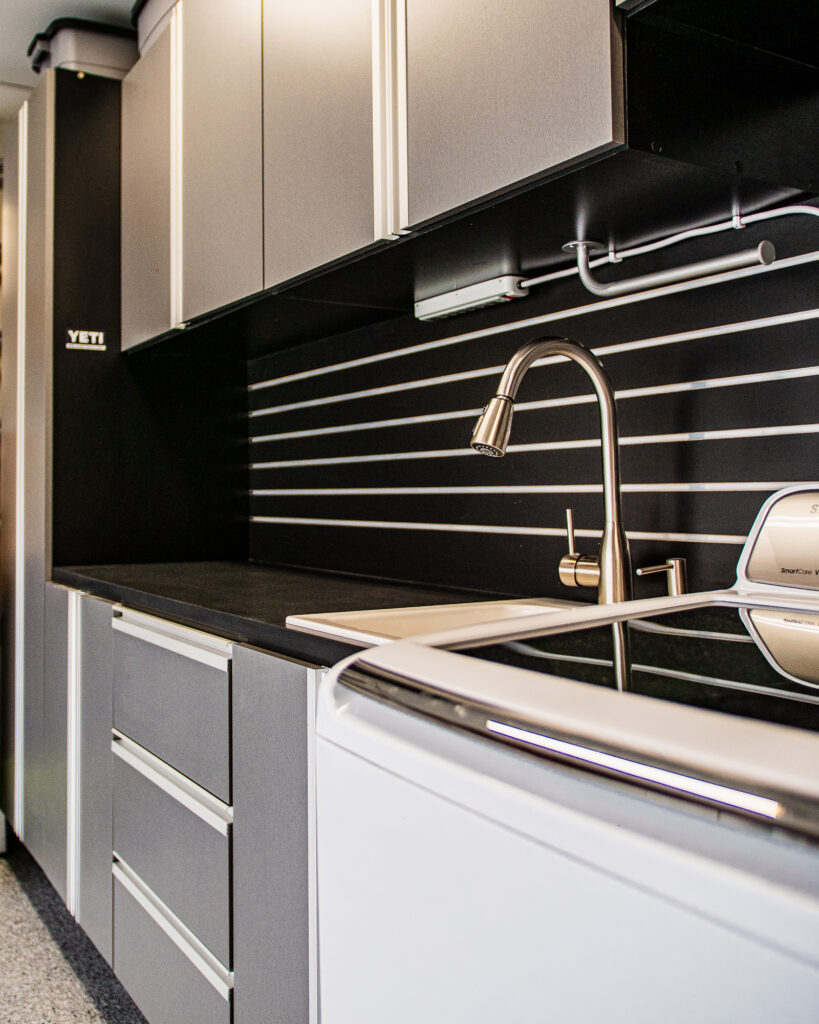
189	643
178	786
182	937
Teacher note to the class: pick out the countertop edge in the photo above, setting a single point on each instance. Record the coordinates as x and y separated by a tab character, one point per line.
278	640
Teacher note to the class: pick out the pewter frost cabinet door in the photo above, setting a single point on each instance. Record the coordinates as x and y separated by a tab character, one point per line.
146	195
221	153
95	768
318	133
501	92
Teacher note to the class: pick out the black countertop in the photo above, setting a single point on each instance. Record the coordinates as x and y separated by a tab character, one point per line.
249	603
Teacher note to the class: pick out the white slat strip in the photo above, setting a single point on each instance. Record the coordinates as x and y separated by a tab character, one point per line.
563	314
705	384
768	486
529	531
544	446
489	371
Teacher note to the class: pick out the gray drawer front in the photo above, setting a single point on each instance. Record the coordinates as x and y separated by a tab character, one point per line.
161	980
177	708
180	857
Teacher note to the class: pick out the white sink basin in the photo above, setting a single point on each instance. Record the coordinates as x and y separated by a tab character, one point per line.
380	625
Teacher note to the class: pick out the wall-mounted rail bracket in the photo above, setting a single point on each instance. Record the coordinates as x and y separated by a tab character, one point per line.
764	254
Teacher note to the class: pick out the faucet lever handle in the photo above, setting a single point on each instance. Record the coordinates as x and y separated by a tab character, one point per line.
576	570
570	531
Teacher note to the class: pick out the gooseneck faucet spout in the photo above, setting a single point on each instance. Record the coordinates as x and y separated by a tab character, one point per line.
610	570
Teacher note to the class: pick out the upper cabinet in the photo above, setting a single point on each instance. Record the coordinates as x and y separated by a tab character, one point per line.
221	173
192	168
498	93
146	195
318	133
259	149
355	120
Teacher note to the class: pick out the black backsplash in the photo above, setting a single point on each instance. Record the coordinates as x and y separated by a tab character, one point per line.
415	478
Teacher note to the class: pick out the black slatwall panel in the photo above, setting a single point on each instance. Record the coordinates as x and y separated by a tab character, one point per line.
717	386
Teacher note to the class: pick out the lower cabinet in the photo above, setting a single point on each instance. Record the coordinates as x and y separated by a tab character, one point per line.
180	820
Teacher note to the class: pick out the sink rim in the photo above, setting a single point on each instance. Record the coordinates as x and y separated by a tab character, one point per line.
362	625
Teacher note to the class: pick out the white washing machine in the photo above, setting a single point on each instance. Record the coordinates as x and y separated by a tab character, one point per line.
508	832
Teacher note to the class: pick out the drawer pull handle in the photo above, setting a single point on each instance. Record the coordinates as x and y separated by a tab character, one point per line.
188	643
182	937
178	786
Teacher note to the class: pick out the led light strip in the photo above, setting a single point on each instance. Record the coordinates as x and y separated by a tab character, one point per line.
20	480
560	315
658	776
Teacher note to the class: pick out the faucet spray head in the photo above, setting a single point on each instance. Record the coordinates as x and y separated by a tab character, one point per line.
491	434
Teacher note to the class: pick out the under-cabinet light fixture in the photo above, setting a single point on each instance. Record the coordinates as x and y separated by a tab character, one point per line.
473	296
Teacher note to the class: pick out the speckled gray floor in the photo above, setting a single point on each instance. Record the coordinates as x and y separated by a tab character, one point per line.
50	972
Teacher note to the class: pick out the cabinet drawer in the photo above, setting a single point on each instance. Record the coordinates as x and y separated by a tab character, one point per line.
165	974
172	696
176	837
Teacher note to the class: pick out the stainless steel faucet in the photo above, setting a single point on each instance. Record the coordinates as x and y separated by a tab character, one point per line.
610	569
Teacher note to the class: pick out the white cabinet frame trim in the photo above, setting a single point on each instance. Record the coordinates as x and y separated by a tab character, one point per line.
74	753
20	478
390	189
176	244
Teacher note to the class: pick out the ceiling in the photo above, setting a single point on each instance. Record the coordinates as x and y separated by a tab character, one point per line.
21	20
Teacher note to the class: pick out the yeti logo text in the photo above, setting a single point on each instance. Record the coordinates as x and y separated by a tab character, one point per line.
93	341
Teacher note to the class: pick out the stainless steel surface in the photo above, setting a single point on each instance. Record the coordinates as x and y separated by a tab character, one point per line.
764	253
576	570
221	118
318	134
675	570
492	432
